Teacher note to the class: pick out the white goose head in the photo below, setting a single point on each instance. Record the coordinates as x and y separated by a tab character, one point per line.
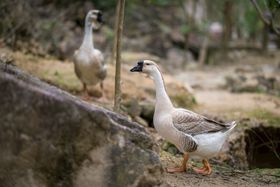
150	68
146	66
94	18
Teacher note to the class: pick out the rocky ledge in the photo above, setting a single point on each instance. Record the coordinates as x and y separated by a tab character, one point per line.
51	138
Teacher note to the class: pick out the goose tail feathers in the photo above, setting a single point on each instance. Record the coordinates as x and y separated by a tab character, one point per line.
231	126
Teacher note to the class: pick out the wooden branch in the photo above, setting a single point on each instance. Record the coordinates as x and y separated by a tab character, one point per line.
118	35
276	30
269	23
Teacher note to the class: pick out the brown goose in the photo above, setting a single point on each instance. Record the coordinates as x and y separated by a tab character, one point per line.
194	135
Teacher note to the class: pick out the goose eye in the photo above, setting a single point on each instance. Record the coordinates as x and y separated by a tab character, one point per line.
148	64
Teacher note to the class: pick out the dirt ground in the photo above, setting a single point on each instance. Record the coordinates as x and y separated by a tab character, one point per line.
208	88
222	175
209	83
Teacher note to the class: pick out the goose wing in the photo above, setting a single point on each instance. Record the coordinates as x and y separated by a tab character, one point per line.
76	68
102	73
193	124
187	142
99	57
102	70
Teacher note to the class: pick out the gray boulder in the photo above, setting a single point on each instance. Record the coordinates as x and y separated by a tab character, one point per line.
51	138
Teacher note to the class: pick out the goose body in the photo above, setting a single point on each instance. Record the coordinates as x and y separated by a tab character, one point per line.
181	127
194	135
89	67
89	61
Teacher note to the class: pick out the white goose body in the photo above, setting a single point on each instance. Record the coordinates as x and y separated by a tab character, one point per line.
209	144
196	135
88	61
88	65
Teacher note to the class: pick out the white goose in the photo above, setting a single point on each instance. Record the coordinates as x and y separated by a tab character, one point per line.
88	61
194	135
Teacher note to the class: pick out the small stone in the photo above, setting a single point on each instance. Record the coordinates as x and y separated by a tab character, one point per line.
172	150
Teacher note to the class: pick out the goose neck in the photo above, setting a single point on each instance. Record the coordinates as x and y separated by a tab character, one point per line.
88	36
163	102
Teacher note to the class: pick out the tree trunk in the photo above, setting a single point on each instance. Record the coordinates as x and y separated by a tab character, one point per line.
265	37
228	23
118	35
203	52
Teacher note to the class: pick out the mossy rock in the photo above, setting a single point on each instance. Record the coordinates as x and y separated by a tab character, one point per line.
169	147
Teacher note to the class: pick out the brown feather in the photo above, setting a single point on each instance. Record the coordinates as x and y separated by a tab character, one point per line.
193	124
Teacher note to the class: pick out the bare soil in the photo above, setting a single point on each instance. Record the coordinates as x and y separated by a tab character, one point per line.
222	175
209	86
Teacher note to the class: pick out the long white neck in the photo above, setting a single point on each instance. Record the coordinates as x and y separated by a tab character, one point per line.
88	36
163	103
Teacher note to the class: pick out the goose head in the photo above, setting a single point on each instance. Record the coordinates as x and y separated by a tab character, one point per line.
146	66
94	18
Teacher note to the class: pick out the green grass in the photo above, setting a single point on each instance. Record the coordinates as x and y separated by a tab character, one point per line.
272	172
266	116
184	100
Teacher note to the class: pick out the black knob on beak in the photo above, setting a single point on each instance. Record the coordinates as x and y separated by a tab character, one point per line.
138	68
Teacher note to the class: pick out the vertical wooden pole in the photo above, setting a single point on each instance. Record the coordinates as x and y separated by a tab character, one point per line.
118	34
113	57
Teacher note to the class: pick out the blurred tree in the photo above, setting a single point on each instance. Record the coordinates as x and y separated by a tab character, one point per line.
228	22
17	20
270	15
190	23
249	21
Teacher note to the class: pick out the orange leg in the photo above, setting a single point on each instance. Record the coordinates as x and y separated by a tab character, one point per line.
101	86
102	90
182	168
103	98
85	92
205	170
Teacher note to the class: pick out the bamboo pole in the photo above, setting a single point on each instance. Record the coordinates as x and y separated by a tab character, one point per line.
118	35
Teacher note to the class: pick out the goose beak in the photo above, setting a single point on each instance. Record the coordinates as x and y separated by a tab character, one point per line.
138	68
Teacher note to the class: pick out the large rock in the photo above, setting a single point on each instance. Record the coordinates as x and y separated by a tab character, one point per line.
51	138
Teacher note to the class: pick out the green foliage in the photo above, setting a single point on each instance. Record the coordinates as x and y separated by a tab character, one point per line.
159	2
247	18
184	100
163	2
271	172
273	5
185	29
251	22
109	33
270	118
164	27
103	5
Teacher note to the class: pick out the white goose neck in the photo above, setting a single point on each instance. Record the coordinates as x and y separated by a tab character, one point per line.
163	102
88	36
